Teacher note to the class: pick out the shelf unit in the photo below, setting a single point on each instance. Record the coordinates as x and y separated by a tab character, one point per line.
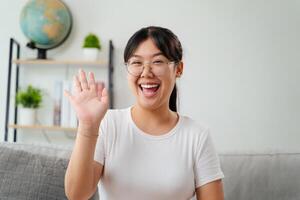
57	62
17	61
42	127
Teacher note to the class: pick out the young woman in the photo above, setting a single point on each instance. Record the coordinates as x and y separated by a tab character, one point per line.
146	151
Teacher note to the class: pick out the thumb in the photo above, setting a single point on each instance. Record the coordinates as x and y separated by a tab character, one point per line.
104	96
69	96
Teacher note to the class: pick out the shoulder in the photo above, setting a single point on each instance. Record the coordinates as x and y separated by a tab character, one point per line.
193	135
115	114
193	129
116	119
200	139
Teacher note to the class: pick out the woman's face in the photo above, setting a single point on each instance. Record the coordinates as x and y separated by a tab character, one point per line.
154	86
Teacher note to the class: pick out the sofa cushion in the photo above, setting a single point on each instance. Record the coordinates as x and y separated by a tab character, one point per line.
268	176
26	174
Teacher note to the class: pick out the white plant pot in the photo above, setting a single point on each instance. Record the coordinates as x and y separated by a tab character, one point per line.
90	54
27	116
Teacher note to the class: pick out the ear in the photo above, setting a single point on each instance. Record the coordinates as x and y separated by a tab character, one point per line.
179	69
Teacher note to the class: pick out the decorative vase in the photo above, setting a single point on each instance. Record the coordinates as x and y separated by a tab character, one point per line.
27	116
90	54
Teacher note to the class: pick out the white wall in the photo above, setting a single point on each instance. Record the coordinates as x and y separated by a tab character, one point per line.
241	62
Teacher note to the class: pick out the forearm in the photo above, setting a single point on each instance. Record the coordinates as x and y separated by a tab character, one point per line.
211	191
79	181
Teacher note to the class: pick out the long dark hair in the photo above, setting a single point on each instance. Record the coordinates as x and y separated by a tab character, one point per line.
166	41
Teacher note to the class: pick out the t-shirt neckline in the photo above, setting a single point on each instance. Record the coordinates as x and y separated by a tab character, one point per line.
153	137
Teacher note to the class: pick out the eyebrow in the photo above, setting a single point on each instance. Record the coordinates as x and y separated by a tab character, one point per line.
156	54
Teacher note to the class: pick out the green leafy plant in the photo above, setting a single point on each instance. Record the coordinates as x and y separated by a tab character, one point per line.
30	98
92	41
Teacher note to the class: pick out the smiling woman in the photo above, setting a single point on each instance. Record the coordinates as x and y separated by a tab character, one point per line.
146	151
166	52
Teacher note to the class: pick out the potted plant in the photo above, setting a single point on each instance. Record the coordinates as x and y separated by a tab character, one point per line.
91	47
30	100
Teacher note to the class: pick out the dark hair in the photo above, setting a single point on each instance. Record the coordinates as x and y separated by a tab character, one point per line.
166	41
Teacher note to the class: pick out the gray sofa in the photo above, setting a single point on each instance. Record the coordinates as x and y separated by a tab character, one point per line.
37	172
33	172
261	176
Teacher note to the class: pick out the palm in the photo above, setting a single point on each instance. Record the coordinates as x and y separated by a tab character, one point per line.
88	107
90	100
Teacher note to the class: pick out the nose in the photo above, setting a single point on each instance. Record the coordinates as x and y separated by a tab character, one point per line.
147	72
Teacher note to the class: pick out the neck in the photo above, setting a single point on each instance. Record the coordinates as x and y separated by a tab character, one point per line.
155	121
160	114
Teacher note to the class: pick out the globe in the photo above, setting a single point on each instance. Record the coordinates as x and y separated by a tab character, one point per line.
46	23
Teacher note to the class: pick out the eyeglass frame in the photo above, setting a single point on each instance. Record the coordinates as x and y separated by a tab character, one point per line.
150	65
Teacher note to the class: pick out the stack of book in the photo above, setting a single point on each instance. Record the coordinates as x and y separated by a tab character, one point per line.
64	114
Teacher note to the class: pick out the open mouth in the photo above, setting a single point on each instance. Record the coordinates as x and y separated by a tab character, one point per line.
149	90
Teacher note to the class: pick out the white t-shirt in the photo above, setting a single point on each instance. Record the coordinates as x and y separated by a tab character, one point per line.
140	166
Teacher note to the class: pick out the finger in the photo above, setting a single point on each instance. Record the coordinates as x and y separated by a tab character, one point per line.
100	87
83	81
92	83
104	96
76	85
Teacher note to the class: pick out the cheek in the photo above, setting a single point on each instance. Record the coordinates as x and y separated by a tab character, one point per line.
132	82
168	85
172	82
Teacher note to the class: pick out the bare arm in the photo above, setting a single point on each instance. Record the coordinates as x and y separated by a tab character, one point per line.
83	173
90	102
211	191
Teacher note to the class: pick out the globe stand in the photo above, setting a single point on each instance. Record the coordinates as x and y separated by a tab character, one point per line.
42	53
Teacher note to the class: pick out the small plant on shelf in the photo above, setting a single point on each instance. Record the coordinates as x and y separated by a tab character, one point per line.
30	100
92	41
91	46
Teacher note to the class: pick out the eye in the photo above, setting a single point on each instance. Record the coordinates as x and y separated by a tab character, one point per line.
135	63
157	62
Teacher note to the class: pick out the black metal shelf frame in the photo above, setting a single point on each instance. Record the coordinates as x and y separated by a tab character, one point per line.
13	43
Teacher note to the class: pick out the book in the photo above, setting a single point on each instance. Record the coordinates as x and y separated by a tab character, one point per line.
57	103
65	105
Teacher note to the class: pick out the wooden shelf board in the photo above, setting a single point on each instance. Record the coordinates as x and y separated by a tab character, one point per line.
43	127
57	62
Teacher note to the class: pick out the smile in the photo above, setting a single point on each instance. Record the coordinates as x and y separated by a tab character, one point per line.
149	90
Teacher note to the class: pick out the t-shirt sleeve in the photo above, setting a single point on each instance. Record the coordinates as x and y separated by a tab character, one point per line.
207	165
100	150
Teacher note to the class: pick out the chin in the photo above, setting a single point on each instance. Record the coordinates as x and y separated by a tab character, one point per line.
148	102
151	104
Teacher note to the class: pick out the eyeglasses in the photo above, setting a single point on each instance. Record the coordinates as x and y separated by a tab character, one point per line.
158	67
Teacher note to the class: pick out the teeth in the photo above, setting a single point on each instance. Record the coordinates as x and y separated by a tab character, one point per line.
149	85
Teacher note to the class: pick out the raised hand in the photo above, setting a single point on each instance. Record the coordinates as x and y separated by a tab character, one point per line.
90	99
